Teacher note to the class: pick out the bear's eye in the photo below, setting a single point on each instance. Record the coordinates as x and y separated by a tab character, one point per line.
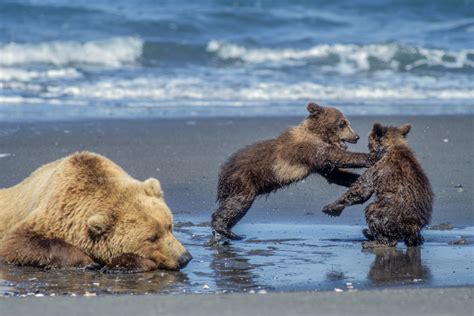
154	238
343	124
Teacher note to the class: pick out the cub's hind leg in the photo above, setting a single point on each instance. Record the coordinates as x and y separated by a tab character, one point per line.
379	233
230	212
414	240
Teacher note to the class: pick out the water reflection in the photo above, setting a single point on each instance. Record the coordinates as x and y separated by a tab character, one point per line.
27	281
282	258
232	270
395	266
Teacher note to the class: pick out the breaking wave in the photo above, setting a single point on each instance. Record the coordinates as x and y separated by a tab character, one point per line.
149	90
350	58
114	52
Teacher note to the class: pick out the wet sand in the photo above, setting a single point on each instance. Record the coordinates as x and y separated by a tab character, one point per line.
278	258
390	302
290	246
185	156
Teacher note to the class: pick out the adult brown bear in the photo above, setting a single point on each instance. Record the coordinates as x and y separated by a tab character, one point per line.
84	211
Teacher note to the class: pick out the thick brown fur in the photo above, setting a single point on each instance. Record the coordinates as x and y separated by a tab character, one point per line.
85	211
315	145
403	196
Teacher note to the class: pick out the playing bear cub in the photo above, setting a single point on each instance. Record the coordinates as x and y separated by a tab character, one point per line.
316	145
85	211
404	199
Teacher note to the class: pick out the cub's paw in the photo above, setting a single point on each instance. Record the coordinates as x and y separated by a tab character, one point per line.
217	240
227	233
231	235
333	209
373	157
378	244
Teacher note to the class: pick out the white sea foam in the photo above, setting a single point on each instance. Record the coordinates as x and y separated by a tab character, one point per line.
199	90
16	74
350	57
19	101
113	52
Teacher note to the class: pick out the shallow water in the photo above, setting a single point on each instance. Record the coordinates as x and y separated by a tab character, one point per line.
271	258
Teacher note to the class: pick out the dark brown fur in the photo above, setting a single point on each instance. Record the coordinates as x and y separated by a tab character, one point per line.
37	250
404	199
316	145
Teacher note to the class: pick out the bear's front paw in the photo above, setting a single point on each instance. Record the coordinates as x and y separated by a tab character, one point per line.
333	209
94	266
128	263
373	157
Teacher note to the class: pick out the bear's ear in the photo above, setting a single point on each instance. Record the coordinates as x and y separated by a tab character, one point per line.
405	129
98	224
153	187
314	109
378	130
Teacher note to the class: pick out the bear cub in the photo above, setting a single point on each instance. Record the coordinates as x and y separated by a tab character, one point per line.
315	145
403	196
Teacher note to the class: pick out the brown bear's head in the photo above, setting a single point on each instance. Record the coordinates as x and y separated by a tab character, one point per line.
330	125
137	223
383	137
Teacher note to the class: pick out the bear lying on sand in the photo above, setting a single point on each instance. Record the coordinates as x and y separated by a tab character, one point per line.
404	200
315	145
85	211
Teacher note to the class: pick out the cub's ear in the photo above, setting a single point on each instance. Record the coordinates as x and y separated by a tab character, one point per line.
378	130
405	129
153	187
98	224
314	109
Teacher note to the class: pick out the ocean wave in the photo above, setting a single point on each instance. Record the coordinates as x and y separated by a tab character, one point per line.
349	58
114	52
189	90
16	74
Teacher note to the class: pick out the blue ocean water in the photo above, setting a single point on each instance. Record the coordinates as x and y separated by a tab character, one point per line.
120	58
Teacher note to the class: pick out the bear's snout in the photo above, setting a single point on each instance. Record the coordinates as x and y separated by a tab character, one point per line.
352	139
184	260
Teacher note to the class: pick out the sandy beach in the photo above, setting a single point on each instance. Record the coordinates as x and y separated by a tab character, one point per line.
185	155
290	245
415	302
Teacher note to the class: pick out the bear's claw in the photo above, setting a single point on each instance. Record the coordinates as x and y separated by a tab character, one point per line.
333	210
217	240
377	244
224	231
222	237
231	235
